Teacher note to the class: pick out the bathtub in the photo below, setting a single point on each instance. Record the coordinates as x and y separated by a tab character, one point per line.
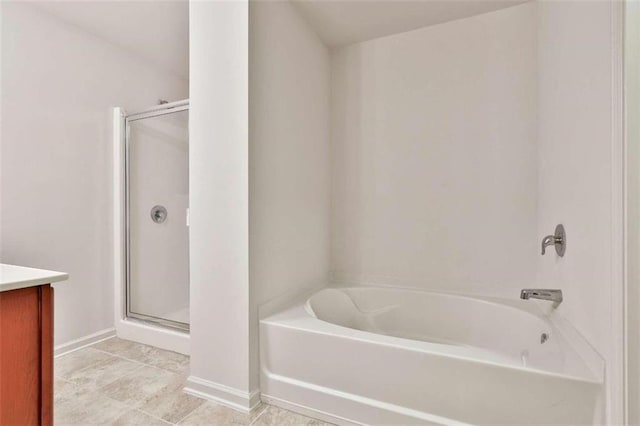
371	355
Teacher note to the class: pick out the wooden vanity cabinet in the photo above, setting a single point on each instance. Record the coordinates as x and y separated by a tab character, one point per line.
26	356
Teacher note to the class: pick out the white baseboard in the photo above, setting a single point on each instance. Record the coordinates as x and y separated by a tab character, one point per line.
342	408
82	342
159	337
307	411
224	395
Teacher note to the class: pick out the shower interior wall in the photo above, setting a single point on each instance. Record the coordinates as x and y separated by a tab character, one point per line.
448	153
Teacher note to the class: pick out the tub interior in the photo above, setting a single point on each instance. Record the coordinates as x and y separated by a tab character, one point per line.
474	327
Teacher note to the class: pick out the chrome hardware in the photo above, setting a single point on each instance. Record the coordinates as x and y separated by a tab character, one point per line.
558	239
542	294
158	214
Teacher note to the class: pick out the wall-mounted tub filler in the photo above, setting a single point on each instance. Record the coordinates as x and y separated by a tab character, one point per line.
558	239
542	294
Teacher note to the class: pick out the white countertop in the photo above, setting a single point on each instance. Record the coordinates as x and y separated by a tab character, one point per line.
13	277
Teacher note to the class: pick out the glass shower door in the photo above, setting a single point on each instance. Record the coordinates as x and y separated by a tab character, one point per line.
157	156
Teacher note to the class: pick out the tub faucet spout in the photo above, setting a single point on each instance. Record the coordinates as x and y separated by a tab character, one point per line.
542	294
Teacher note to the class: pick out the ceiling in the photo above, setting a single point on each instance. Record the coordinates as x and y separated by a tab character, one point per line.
157	31
350	21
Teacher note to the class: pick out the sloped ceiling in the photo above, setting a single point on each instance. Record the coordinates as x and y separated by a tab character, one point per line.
341	22
155	30
158	30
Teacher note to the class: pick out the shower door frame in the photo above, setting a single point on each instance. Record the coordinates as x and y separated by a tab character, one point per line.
162	109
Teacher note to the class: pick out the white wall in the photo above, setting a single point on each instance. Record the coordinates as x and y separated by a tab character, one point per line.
289	87
575	164
434	156
632	76
219	199
457	147
59	85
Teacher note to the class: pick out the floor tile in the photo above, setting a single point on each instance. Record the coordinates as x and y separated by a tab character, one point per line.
173	406
115	345
103	373
160	358
140	386
138	418
145	354
64	390
88	408
118	382
211	413
68	364
277	416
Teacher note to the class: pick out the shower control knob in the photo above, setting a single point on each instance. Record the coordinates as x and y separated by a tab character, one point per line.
158	214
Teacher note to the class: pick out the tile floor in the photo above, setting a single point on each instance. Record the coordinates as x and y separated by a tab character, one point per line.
118	382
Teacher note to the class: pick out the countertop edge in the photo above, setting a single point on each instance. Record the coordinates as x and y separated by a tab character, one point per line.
34	277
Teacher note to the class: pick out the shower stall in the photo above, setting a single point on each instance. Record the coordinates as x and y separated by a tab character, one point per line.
152	211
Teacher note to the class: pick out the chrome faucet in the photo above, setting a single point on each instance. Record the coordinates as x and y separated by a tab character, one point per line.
547	241
542	294
558	239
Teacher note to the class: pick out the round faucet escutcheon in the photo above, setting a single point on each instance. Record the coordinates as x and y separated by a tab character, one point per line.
158	214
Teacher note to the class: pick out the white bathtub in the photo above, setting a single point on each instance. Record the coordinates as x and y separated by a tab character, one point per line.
374	355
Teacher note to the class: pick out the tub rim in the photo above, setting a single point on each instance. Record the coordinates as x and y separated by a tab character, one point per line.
299	315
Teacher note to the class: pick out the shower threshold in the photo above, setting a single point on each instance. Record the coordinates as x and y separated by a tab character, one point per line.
177	320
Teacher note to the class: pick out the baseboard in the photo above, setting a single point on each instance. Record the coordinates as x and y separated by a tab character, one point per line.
308	411
224	395
82	342
159	337
342	408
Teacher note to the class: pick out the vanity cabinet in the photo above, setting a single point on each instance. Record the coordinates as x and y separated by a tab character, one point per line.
26	351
